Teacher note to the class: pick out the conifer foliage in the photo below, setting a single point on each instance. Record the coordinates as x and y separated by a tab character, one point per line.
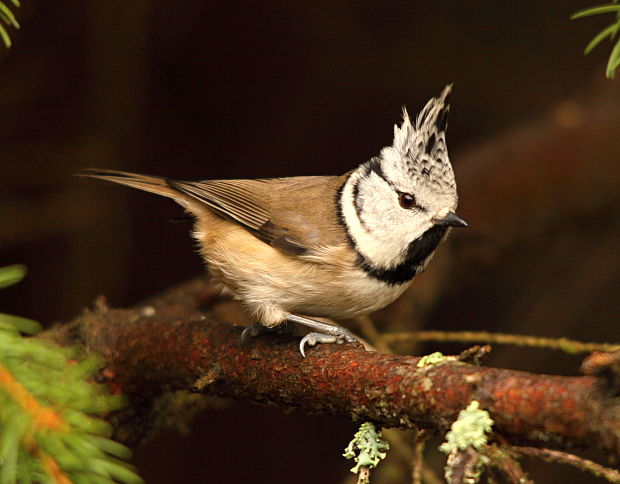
51	430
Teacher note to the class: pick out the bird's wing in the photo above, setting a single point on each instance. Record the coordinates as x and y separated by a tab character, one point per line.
291	214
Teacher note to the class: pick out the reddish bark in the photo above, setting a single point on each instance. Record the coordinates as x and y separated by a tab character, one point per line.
172	346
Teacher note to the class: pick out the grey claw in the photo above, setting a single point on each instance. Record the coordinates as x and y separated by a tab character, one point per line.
302	343
309	339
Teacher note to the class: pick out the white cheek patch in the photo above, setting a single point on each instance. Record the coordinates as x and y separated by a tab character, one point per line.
379	238
375	203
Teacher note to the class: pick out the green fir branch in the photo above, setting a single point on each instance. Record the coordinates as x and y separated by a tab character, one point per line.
50	425
611	32
7	18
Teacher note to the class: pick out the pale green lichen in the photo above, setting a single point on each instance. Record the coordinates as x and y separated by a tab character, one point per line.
367	447
469	430
432	359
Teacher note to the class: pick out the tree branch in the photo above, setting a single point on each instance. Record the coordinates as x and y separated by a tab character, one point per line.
170	344
580	463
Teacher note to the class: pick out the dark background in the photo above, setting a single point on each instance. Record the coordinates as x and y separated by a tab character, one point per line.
204	89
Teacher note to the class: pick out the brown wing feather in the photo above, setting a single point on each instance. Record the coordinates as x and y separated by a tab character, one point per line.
291	214
226	199
305	211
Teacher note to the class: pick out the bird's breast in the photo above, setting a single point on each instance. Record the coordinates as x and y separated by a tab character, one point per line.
327	282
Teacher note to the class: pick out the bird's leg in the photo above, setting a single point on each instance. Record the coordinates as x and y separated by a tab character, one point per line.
324	333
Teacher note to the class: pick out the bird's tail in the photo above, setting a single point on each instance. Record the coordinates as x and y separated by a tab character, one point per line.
153	184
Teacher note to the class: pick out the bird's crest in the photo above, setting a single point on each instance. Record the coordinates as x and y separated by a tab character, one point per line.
423	146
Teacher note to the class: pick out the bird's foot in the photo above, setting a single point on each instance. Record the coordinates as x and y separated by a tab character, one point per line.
312	339
324	333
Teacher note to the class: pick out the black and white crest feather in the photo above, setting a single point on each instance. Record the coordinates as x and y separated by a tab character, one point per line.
423	145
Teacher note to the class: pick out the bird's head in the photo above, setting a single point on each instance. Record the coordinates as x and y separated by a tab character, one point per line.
398	206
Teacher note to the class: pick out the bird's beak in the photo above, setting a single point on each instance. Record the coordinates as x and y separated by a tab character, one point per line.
450	220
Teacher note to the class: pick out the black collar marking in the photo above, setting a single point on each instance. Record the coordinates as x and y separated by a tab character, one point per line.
340	214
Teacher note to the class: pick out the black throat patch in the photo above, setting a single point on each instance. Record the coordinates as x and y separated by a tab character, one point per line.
417	253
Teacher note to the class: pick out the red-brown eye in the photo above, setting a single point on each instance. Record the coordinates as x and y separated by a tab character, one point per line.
406	200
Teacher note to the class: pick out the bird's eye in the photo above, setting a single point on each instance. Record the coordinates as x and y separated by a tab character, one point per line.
406	200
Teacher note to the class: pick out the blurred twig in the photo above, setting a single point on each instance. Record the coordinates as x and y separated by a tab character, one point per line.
556	456
420	472
562	344
506	464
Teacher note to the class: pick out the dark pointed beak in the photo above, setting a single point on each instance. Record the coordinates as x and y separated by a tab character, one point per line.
450	220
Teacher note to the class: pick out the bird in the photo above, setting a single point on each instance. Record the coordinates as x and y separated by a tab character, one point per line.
293	249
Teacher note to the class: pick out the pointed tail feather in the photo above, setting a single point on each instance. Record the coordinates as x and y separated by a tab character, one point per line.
153	184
